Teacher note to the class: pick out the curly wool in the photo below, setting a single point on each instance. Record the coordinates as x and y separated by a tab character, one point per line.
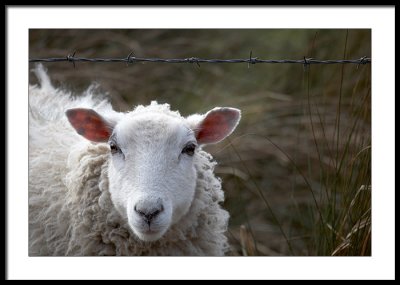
70	207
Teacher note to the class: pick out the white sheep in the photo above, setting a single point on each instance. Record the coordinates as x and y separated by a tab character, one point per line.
135	183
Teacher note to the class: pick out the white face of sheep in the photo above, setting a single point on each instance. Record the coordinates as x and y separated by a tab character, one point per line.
152	177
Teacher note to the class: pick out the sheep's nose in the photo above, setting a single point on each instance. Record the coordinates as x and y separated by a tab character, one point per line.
148	214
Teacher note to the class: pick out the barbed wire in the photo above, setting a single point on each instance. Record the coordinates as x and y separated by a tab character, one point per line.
130	59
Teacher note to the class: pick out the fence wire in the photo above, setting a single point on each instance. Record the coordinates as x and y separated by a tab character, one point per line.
130	59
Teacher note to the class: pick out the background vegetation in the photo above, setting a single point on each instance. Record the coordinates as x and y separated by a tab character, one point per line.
297	171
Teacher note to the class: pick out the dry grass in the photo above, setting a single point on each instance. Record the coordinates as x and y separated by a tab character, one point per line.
293	170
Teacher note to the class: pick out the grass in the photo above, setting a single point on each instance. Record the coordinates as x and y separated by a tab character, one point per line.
297	171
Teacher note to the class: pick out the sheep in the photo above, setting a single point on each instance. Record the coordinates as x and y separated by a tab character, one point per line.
103	182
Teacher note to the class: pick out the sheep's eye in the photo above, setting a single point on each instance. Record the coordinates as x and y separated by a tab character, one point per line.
189	149
114	148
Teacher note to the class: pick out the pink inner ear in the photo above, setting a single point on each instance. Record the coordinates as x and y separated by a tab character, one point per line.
217	125
89	124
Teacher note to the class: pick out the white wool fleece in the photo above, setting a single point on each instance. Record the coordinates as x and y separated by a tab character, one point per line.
135	200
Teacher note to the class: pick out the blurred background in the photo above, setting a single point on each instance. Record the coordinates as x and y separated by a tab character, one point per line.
297	170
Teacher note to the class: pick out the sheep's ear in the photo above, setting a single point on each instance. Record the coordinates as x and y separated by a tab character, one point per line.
214	126
89	124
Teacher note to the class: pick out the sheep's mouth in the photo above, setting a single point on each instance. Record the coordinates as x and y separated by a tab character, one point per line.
149	234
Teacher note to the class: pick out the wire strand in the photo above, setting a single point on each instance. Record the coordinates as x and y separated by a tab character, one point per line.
251	60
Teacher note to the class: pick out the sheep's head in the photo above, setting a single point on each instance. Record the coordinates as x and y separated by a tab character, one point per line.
152	176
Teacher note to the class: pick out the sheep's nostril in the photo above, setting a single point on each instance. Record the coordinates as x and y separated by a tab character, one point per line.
149	215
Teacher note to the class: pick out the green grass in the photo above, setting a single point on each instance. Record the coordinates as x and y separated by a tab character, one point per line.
297	171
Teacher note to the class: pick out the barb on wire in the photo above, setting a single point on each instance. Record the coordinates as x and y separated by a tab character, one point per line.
128	58
306	62
252	60
71	58
361	61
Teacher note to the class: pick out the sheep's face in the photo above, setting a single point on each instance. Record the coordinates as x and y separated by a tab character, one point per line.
151	173
152	177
